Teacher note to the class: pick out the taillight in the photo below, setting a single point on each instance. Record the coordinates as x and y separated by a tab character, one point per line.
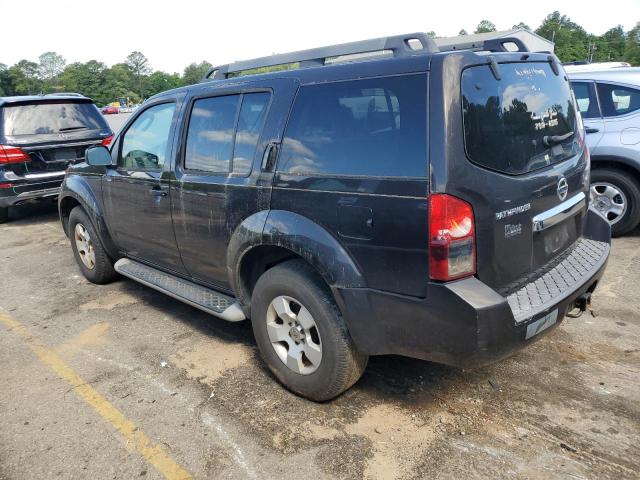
107	141
10	154
452	245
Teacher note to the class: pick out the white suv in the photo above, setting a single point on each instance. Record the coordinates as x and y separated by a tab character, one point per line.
609	101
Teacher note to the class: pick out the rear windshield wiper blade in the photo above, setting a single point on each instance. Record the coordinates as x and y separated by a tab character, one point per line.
550	140
68	129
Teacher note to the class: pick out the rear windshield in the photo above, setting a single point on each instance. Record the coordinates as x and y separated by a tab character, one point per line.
520	123
47	118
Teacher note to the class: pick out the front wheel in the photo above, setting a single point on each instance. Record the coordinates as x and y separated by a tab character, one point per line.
616	195
301	335
87	248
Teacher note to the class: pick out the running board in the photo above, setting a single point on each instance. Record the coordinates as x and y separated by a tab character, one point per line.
205	299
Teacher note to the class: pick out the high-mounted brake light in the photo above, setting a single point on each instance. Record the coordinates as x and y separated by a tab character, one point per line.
9	154
107	141
452	245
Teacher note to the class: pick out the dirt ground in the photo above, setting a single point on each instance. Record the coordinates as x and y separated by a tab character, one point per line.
194	386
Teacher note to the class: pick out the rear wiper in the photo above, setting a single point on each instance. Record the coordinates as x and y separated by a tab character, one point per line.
67	129
550	140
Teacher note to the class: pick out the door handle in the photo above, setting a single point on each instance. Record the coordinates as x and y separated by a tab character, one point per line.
591	130
158	192
269	157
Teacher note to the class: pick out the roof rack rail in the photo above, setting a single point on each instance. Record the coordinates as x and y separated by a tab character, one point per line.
397	46
63	94
489	45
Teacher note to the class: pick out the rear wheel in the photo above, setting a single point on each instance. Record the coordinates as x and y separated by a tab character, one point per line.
4	214
87	247
616	195
301	335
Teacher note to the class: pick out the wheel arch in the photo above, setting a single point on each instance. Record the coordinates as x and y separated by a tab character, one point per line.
624	164
269	238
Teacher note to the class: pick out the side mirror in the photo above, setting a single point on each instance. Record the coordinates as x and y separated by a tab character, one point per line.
98	156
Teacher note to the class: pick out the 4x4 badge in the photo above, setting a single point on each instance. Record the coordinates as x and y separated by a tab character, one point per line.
563	188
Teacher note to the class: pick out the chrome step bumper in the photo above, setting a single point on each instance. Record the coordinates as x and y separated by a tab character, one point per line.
207	300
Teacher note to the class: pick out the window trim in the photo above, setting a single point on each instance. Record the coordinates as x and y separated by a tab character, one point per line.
187	119
621	85
591	85
123	134
424	74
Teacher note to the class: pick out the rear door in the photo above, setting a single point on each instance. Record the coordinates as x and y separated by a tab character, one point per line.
218	176
520	161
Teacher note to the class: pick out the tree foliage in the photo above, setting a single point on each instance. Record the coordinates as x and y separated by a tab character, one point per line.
135	79
485	26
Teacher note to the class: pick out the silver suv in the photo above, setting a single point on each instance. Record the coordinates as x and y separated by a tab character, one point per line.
609	101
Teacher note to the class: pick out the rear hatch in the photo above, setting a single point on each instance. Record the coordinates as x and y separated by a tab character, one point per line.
524	167
54	132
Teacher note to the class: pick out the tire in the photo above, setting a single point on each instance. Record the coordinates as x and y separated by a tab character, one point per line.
340	366
629	191
100	269
4	214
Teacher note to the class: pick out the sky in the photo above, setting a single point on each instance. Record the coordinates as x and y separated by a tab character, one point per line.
172	34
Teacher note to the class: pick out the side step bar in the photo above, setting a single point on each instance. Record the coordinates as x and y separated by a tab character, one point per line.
207	300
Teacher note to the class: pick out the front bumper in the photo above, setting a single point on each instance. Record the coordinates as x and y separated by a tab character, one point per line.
465	323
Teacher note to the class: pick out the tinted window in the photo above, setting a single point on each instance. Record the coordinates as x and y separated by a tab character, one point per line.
250	122
586	98
616	100
210	134
373	127
144	146
49	118
506	121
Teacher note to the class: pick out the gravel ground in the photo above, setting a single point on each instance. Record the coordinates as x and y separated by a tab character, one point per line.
567	407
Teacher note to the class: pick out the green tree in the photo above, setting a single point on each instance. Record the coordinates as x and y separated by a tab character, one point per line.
632	46
160	81
88	78
462	32
120	82
194	72
6	84
485	26
139	66
25	77
521	25
431	34
51	65
571	40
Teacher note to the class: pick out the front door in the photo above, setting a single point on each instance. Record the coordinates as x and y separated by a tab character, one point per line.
136	192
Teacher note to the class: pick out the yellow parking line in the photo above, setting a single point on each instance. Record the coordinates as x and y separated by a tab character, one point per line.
152	452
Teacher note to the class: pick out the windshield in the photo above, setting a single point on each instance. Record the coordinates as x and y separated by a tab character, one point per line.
520	123
50	118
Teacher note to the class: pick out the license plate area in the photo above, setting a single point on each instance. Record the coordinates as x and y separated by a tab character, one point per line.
541	324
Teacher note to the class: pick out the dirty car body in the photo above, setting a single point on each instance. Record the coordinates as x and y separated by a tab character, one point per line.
441	197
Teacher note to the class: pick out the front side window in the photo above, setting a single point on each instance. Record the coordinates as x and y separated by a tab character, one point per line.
144	145
369	127
617	100
519	123
586	99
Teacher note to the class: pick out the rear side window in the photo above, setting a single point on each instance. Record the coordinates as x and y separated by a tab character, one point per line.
214	143
586	97
520	123
51	118
616	100
371	127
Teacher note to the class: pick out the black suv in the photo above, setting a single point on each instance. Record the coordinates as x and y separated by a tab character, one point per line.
388	196
40	136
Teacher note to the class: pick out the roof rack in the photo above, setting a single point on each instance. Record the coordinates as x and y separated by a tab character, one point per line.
489	45
64	94
397	46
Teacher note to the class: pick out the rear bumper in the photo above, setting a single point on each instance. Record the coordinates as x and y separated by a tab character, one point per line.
463	323
26	191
